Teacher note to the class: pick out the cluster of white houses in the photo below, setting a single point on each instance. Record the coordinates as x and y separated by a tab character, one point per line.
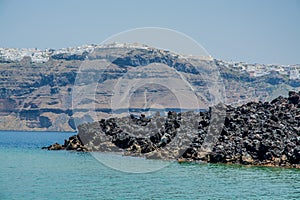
256	70
40	56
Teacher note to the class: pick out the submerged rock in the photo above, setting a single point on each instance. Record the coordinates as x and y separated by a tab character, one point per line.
54	146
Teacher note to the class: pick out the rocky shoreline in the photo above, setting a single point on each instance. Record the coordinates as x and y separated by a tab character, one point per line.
256	133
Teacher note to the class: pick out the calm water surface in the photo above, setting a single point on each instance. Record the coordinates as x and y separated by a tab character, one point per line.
27	172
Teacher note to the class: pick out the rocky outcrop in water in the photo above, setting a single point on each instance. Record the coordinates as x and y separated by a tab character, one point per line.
73	143
256	133
259	133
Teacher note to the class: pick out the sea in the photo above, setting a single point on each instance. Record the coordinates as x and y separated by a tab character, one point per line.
29	172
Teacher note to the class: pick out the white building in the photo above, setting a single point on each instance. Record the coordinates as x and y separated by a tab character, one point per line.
294	74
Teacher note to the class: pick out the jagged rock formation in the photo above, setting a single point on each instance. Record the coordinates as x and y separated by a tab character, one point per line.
36	87
256	133
73	143
260	133
139	136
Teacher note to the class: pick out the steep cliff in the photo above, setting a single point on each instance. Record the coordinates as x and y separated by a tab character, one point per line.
36	93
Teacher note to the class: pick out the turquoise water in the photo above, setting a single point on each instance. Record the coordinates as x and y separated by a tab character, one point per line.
27	172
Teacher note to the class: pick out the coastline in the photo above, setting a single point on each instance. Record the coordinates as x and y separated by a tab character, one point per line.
256	133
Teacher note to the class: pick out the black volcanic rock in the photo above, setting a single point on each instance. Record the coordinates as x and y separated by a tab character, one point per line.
255	133
74	143
261	134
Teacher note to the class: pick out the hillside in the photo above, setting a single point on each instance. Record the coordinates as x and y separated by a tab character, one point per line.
56	90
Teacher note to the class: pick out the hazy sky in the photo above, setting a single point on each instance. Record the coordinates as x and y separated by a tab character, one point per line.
252	31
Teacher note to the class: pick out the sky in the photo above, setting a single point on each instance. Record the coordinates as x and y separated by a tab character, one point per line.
257	31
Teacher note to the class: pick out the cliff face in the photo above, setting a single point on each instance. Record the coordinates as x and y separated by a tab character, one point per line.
38	95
